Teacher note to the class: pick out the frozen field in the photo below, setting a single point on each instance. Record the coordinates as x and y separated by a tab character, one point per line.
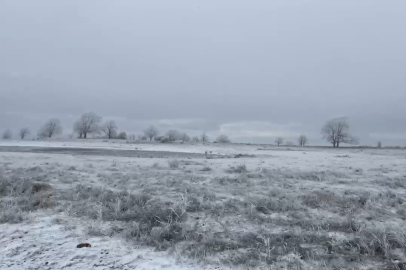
171	206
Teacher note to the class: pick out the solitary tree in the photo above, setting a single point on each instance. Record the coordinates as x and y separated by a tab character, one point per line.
379	144
337	131
151	132
184	137
110	129
7	134
24	132
51	128
279	141
223	139
302	140
87	124
173	135
204	138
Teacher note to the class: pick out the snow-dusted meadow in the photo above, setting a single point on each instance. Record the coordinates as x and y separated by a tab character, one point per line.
214	206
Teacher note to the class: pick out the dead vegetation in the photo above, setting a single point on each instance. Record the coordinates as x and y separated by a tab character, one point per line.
20	195
173	164
238	169
282	218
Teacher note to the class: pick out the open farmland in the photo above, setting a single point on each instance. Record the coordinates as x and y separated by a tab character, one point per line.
172	206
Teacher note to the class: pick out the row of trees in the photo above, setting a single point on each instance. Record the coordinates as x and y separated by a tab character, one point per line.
91	123
172	135
88	123
335	131
24	132
49	129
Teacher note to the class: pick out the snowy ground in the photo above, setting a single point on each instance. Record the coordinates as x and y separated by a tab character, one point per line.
43	243
244	206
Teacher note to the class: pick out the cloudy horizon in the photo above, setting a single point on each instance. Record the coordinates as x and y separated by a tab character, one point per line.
251	70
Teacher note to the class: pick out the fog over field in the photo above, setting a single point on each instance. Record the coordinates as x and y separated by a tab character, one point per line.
253	70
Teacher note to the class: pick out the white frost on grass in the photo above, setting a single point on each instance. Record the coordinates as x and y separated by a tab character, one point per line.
311	187
43	244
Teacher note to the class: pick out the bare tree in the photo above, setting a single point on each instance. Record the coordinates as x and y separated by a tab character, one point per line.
173	135
7	135
289	143
195	139
337	131
51	128
24	132
279	141
379	144
184	137
302	140
87	124
110	129
223	139
122	136
204	138
151	132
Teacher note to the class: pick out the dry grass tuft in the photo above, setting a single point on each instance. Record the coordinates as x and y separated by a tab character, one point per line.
19	195
173	164
206	169
145	216
238	169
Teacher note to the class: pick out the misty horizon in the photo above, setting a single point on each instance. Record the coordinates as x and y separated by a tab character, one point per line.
252	71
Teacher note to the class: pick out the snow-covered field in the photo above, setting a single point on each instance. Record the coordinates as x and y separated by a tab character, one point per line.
238	207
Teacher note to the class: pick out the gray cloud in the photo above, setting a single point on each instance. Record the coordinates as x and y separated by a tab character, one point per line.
246	68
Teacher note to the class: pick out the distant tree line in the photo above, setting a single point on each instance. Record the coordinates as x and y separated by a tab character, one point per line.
90	124
152	133
335	131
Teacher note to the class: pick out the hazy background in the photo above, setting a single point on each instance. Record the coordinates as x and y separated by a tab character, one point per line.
253	70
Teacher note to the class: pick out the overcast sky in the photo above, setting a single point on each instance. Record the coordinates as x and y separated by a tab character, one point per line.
252	70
